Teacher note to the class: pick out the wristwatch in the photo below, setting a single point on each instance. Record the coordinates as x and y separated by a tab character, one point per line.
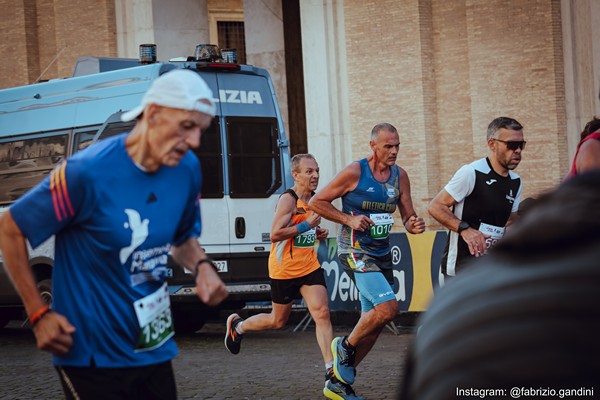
462	226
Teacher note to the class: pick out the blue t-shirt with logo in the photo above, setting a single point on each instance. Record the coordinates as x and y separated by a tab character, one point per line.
113	225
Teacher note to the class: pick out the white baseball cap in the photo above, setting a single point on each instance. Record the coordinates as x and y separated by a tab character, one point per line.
180	88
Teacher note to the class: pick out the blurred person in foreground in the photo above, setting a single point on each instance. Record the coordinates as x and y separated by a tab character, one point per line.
117	209
528	316
482	198
587	155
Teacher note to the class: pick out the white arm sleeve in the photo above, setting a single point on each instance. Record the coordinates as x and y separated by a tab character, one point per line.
462	183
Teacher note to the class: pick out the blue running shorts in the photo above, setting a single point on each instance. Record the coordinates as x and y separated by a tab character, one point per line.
373	277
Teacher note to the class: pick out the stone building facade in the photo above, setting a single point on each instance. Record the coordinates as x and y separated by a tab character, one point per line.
438	70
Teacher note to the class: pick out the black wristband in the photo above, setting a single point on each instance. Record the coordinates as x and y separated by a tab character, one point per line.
201	261
462	226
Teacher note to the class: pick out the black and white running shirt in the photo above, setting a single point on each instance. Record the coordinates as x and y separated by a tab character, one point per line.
485	200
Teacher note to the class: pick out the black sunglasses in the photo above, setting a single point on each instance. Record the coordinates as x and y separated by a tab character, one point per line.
513	145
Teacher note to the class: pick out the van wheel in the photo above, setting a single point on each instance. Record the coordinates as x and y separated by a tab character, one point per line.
4	319
187	322
45	288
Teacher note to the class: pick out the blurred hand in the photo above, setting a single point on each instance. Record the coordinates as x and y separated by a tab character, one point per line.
53	333
209	287
416	225
313	219
475	240
322	233
360	222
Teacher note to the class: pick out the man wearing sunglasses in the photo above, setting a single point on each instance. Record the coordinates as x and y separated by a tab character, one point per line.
482	198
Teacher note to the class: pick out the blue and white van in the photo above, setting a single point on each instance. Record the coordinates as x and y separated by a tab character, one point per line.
244	157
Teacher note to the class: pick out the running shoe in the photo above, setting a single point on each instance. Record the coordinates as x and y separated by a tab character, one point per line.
334	389
233	339
343	361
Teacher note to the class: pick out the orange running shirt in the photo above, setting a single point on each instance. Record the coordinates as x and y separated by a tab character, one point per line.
295	257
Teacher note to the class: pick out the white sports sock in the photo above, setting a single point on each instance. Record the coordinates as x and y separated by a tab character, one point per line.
239	329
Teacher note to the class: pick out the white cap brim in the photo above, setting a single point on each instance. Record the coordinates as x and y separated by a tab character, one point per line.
132	114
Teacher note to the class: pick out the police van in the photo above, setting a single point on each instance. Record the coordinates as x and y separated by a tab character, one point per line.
244	157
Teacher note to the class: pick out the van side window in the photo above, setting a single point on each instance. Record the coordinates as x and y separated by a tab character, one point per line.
116	128
25	162
83	139
254	166
210	155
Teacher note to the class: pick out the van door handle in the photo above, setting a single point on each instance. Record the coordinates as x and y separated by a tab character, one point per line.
240	227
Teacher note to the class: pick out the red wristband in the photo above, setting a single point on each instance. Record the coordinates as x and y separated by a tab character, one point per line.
39	314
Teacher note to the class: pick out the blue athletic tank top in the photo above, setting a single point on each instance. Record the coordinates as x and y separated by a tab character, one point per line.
377	200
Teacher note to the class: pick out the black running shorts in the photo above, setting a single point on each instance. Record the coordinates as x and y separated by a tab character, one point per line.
284	291
149	382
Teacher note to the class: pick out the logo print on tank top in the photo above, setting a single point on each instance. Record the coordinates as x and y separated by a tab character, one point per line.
391	192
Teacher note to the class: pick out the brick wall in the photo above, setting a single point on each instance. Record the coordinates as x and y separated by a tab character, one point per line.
440	71
84	28
45	37
390	80
46	53
513	58
14	68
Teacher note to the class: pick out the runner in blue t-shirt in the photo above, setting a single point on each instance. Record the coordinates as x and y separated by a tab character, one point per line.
371	189
116	210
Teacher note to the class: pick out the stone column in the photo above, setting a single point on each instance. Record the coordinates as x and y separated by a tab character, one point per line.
263	25
326	85
175	27
580	25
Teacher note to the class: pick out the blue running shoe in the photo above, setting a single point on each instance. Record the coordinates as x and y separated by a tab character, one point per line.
334	389
343	361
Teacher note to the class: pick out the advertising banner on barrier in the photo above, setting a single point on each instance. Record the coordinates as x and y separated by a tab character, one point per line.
416	260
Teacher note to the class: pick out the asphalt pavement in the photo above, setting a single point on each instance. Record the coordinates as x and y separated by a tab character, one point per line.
284	364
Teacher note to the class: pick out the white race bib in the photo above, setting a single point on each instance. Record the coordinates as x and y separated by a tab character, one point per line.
495	232
306	239
383	225
154	317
